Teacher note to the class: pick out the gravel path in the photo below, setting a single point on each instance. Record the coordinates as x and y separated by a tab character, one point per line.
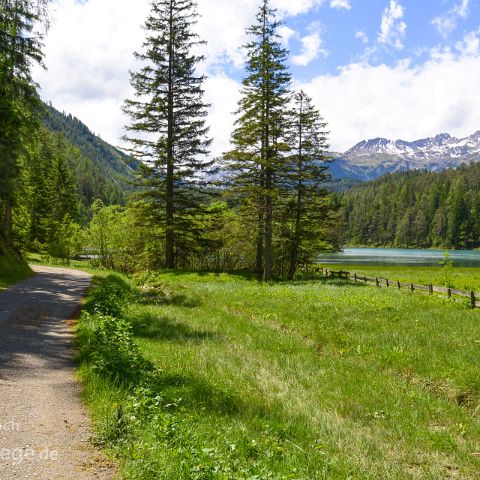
44	429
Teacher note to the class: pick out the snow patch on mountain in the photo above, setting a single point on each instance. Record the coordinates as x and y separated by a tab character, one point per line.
372	158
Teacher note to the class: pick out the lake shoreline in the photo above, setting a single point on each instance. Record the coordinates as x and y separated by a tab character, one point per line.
400	257
433	249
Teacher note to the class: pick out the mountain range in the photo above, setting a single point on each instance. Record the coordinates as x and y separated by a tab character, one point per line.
373	158
104	171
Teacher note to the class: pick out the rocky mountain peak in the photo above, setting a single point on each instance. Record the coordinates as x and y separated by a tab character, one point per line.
375	157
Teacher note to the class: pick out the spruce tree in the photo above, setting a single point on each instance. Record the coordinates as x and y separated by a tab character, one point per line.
20	48
259	130
304	182
168	131
47	191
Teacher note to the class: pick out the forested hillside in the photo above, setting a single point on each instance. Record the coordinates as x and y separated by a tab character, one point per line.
64	170
102	170
416	209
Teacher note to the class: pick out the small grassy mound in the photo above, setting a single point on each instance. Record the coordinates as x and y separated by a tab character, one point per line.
12	267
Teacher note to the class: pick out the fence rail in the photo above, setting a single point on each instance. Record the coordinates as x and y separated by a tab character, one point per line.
413	287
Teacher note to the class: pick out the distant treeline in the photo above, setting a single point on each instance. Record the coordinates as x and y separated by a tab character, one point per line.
416	209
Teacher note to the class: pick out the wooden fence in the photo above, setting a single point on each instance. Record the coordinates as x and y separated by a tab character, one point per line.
474	297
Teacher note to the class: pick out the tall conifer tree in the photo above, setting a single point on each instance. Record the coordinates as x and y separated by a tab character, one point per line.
258	138
168	131
20	48
305	176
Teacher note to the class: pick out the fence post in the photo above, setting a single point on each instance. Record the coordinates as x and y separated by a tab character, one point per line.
412	288
388	282
430	289
355	277
449	292
377	282
473	300
398	285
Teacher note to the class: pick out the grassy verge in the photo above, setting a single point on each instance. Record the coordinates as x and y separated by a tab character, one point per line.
462	278
83	265
219	377
12	268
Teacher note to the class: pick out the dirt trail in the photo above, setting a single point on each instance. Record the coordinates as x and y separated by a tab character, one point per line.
44	429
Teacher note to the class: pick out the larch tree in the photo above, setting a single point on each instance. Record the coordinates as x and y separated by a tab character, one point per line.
168	130
308	202
20	49
258	137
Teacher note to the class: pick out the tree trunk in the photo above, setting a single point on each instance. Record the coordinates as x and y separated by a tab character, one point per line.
169	232
261	227
296	240
169	203
298	207
267	273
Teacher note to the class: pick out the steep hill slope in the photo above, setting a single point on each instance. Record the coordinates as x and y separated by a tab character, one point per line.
102	170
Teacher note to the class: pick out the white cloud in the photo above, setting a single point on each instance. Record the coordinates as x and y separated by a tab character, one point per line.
88	60
447	23
286	34
403	101
470	45
362	36
289	7
461	9
341	4
393	28
311	47
223	93
89	53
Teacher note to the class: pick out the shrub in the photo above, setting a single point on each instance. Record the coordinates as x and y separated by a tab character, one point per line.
111	297
114	352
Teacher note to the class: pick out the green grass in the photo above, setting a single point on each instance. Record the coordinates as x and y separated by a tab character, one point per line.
220	377
462	278
12	268
83	265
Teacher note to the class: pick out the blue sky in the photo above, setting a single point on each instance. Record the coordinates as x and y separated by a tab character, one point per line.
391	68
352	34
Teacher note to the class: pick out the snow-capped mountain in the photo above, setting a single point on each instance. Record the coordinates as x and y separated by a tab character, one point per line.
373	158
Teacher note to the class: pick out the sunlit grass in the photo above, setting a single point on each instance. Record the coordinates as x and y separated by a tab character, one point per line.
83	265
463	278
304	380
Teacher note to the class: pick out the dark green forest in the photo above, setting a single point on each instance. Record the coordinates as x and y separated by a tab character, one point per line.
62	172
416	209
102	170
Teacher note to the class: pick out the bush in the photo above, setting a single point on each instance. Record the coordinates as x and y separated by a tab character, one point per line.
115	354
111	297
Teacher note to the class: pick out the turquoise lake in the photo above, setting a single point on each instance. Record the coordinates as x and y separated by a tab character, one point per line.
400	257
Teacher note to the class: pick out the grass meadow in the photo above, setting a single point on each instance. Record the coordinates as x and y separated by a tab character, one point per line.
217	376
461	278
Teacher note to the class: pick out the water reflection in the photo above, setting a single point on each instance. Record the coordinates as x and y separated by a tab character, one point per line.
401	257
